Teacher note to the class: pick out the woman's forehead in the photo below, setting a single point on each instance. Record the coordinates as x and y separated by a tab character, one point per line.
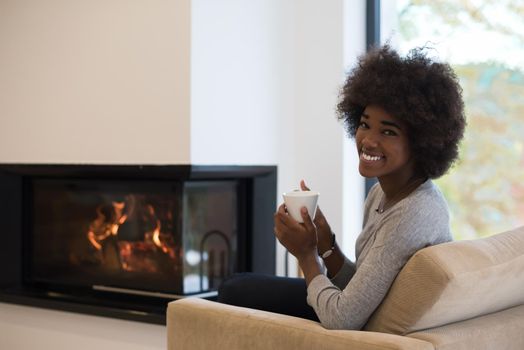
377	111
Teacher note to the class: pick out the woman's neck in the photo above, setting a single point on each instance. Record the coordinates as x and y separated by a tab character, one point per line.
391	189
395	194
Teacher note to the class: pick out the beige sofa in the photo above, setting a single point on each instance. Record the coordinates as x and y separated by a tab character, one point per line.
458	295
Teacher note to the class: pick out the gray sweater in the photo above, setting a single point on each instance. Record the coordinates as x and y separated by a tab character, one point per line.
384	246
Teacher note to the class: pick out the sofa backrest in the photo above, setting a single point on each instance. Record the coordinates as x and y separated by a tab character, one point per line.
452	282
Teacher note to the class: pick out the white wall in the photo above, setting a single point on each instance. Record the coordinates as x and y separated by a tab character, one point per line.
156	82
94	81
238	77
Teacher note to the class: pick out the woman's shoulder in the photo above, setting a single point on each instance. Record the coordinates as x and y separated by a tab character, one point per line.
427	198
425	215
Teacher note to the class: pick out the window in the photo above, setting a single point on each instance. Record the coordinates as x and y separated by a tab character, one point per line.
484	42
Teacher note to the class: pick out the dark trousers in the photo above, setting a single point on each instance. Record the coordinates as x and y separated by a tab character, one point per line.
283	295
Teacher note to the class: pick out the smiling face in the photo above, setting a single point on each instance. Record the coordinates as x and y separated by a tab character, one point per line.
383	148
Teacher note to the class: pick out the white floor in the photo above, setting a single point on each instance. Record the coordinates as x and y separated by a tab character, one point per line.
23	328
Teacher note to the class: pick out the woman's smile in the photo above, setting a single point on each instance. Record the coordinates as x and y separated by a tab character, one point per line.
370	157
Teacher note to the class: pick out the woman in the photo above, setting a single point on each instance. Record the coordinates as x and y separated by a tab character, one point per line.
406	115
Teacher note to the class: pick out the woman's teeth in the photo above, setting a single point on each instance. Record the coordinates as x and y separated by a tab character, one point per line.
370	158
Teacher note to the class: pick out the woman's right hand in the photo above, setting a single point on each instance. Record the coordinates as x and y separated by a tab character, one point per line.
323	229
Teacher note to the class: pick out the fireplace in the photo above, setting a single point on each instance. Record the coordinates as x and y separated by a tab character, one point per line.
123	240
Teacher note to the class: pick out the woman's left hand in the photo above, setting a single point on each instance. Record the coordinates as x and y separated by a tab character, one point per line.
299	239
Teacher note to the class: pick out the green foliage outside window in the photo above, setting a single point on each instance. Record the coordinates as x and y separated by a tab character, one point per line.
485	189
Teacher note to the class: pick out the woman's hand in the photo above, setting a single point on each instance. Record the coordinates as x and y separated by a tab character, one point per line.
323	228
299	239
335	261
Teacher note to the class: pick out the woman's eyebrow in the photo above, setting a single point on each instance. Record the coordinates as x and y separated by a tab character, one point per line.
390	123
384	122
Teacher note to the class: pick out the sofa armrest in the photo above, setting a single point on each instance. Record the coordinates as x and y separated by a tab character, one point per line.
194	323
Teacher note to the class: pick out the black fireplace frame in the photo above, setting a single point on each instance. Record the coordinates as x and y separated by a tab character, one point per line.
257	187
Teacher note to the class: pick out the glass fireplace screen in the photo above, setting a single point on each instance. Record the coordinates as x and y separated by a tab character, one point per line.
162	237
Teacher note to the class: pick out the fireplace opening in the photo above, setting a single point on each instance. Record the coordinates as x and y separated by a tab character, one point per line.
159	237
122	241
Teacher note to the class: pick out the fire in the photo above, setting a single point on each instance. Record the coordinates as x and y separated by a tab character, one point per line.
156	235
92	238
106	225
133	253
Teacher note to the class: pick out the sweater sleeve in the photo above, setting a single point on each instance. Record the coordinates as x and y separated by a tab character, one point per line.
344	275
349	308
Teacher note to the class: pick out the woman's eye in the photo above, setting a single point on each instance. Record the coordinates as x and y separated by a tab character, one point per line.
389	132
363	125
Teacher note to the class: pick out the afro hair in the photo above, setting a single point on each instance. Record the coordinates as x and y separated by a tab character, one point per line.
415	89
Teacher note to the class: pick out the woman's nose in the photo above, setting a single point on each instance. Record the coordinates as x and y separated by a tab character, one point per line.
369	141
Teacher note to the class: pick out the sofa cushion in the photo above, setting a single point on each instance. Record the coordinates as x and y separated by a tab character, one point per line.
194	324
452	282
501	330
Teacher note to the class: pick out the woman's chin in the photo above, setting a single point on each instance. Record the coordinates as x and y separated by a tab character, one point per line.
366	172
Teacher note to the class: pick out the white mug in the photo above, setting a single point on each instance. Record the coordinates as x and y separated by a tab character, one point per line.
295	200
